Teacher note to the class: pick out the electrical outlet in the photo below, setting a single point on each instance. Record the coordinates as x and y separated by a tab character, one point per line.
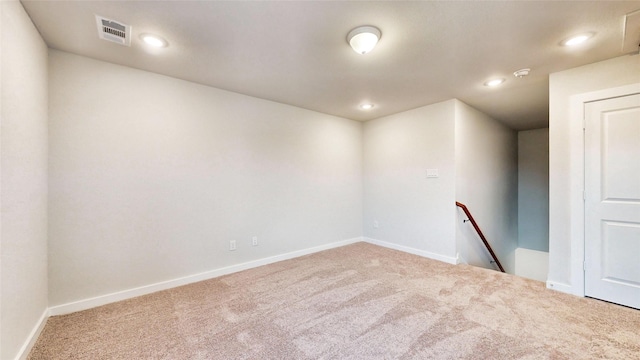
254	241
232	245
376	224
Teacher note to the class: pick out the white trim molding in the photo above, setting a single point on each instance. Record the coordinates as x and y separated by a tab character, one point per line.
565	288
576	148
169	284
414	251
24	351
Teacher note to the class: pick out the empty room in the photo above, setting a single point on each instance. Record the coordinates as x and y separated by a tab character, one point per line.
319	179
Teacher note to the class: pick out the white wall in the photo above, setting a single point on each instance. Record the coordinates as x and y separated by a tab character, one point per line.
150	177
565	151
533	189
411	210
532	264
23	183
486	181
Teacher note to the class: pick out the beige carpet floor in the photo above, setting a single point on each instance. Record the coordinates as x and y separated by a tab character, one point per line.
356	302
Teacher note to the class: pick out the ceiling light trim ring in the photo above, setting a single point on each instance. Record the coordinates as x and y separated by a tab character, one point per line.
154	40
495	82
577	39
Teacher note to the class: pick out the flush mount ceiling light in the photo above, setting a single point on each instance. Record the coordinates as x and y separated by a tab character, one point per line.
363	38
577	39
366	106
154	40
494	82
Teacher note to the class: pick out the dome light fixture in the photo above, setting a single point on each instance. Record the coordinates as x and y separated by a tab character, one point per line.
154	40
364	38
494	82
366	106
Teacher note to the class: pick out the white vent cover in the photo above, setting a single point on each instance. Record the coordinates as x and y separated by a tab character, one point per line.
113	31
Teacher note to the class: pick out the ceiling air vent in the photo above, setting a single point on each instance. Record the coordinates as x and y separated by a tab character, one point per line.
113	31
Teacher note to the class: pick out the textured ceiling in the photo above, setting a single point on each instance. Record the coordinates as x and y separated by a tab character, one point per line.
295	52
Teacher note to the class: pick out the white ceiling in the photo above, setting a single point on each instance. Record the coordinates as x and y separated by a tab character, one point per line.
295	52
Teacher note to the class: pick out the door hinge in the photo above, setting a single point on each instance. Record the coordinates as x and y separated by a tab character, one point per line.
584	266
584	195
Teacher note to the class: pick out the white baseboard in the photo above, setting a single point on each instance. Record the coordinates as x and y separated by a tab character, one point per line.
33	336
410	250
164	285
565	288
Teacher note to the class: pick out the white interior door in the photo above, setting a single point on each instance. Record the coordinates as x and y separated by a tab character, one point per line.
612	201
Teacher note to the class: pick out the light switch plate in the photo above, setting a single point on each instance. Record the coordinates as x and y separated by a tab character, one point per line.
432	173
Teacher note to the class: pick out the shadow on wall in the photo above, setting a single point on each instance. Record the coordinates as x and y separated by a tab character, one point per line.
533	189
532	255
471	250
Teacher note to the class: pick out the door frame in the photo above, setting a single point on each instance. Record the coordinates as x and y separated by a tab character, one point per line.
577	176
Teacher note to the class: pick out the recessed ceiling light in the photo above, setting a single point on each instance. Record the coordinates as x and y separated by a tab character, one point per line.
363	38
576	40
366	106
494	82
153	40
